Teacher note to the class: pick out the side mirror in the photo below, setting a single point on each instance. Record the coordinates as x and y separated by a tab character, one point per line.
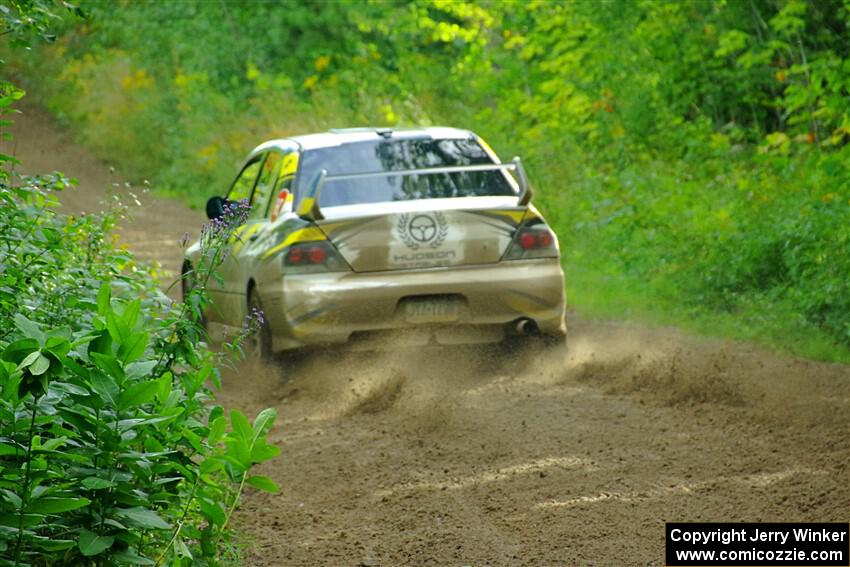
215	207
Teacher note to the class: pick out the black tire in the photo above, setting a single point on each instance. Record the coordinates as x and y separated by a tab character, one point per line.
259	345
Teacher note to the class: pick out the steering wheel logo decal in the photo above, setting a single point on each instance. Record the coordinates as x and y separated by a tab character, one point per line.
421	230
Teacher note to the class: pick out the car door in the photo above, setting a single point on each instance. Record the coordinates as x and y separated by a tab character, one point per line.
247	240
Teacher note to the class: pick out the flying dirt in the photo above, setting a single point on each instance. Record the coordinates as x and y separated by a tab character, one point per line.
475	457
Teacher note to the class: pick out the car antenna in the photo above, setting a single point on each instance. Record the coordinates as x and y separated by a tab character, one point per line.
384	132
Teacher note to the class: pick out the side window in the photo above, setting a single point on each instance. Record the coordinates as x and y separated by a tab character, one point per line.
283	189
265	185
241	188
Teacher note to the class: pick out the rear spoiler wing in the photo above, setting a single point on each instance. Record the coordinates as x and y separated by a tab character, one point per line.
308	207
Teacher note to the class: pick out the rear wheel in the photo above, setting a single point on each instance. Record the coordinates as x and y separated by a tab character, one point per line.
259	344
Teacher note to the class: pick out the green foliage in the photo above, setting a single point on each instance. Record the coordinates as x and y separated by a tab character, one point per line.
693	147
25	20
110	445
111	450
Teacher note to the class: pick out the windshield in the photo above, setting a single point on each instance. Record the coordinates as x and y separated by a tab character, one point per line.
396	155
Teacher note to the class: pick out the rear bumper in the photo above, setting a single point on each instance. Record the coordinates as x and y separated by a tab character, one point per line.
312	309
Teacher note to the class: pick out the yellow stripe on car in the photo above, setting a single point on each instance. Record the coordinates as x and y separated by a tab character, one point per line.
305	207
514	215
307	234
242	234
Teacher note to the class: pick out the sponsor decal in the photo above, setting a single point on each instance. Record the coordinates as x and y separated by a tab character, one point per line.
422	230
419	256
424	259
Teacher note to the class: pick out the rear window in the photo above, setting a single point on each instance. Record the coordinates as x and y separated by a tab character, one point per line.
395	155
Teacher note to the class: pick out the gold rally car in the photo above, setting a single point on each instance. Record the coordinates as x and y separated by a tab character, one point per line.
365	236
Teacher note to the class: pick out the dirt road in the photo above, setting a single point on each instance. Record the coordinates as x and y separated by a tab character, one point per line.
458	458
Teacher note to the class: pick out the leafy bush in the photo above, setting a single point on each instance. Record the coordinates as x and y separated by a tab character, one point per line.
111	450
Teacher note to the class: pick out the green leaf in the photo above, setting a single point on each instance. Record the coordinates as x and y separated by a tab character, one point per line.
12	498
137	370
69	388
165	386
217	430
130	315
133	347
103	297
263	451
142	518
53	444
115	328
30	359
127	424
40	366
264	421
263	483
212	511
215	411
95	483
29	329
6	449
50	544
28	520
76	368
105	387
211	464
208	540
100	343
92	544
108	364
19	350
241	427
58	346
131	557
181	549
238	452
10	385
51	505
138	394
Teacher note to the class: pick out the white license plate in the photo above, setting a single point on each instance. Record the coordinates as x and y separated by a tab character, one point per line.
431	311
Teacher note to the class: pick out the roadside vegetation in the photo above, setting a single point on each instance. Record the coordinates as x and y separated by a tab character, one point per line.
112	449
692	155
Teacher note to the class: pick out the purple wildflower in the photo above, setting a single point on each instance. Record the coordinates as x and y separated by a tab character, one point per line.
235	213
254	320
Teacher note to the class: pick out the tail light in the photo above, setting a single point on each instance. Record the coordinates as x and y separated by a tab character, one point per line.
310	257
535	241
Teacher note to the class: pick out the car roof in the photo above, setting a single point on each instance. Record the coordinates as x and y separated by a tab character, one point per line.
337	137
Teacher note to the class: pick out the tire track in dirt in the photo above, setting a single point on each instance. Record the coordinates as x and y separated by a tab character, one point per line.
466	457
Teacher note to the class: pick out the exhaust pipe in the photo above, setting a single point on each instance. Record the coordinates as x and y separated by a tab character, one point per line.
526	327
